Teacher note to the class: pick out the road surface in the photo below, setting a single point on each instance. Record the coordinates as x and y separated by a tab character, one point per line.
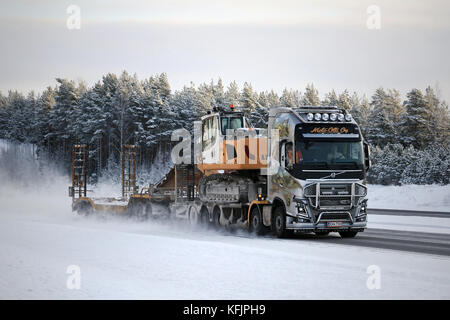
124	259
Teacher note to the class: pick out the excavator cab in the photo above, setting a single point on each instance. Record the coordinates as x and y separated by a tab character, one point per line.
230	143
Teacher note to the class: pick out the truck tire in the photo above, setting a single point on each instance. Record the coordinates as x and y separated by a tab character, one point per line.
255	224
279	223
348	234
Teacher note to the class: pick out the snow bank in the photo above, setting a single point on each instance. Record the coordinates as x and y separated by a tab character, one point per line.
410	197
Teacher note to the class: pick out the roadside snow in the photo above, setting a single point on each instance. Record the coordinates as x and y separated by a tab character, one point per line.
410	197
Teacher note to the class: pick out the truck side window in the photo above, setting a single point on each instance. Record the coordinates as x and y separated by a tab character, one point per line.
289	156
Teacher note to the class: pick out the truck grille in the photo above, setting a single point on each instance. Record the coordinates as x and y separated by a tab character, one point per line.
334	196
335	216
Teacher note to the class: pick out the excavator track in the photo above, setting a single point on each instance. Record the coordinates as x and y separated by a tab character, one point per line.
225	188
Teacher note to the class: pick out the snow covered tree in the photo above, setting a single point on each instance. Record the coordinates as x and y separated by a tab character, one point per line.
344	101
249	102
416	127
381	129
331	99
311	96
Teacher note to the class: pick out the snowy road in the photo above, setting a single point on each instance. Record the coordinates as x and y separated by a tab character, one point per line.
161	260
122	259
431	243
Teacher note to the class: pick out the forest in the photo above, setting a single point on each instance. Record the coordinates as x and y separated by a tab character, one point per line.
409	137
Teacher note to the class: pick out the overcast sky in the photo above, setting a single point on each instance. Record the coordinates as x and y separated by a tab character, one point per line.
272	44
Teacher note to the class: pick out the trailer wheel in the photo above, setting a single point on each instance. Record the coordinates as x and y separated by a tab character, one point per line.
84	209
149	210
279	223
348	234
204	217
255	223
216	217
138	211
193	216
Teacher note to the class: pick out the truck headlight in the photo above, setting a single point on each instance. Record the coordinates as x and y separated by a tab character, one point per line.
301	210
363	209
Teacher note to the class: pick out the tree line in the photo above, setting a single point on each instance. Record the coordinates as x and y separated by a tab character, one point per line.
122	109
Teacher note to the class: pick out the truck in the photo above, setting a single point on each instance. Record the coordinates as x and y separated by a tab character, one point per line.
304	173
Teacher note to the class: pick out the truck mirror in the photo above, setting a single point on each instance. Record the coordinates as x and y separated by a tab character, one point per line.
367	162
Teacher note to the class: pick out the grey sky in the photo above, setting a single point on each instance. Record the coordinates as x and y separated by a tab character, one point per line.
272	44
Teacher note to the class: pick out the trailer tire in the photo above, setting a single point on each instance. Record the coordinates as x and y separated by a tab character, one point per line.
204	217
216	218
84	209
193	216
279	223
348	234
139	211
149	210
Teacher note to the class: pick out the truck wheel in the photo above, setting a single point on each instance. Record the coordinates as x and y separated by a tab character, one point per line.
348	234
279	223
255	223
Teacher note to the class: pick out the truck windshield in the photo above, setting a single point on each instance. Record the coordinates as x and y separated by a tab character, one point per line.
231	123
331	154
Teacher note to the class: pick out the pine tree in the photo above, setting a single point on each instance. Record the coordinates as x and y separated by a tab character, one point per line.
311	96
331	99
233	95
381	129
249	102
345	101
415	123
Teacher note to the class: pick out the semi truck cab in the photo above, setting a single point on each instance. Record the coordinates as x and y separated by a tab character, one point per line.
322	160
